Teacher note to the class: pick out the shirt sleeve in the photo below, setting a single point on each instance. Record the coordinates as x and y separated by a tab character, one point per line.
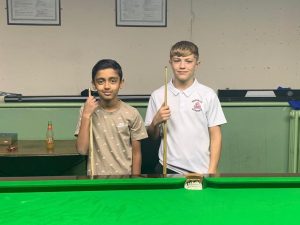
151	111
138	130
78	122
215	115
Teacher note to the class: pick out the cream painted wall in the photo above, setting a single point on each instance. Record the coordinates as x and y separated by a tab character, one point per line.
243	44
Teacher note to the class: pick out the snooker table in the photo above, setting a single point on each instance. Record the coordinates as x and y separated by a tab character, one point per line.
146	200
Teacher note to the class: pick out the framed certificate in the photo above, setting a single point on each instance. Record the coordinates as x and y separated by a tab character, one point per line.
141	13
33	12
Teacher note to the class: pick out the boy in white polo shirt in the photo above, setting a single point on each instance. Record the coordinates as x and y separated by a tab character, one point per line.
193	114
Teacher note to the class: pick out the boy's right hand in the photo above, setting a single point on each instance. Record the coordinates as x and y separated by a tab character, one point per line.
90	105
162	115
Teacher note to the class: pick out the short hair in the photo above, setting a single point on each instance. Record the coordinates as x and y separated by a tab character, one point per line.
183	49
107	64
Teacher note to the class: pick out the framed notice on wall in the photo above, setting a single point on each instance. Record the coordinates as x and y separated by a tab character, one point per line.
141	13
33	12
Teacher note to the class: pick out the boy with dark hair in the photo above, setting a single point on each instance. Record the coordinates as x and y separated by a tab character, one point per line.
117	128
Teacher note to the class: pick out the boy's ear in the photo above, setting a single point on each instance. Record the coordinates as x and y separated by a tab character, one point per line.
121	83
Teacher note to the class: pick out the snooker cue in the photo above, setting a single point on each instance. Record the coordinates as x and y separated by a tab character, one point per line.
91	143
165	126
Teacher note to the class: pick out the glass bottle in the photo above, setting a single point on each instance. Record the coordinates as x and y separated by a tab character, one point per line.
50	137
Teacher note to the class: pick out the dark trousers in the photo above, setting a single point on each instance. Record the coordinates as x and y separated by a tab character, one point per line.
159	169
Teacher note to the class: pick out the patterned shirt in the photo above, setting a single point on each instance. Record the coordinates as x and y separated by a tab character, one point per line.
112	136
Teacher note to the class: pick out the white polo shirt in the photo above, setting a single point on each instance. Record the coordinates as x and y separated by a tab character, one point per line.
192	112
